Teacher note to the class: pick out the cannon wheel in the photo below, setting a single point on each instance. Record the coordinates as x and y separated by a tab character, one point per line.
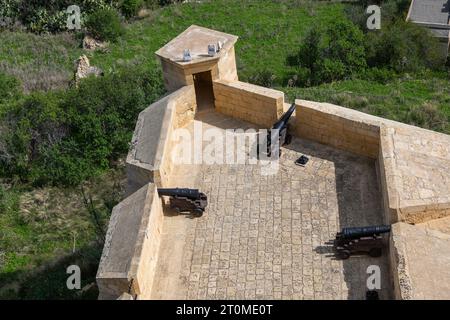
344	254
288	139
198	212
177	209
375	252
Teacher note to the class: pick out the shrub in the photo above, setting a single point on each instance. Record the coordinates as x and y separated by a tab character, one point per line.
104	24
346	45
151	4
357	14
394	9
101	113
391	11
334	53
380	75
167	2
330	70
403	47
30	126
47	16
44	16
130	8
43	20
428	116
9	88
9	12
309	53
263	78
67	137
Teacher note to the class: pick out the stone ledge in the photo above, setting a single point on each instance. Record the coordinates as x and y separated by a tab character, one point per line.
248	102
195	38
339	127
147	159
261	92
131	244
420	260
416	162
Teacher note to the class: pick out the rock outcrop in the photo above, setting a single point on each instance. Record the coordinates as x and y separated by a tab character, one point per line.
84	69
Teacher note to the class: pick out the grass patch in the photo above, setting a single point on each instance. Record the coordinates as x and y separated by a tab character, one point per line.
43	231
43	62
268	32
422	102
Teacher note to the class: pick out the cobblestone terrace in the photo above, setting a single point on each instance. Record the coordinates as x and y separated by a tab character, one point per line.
264	237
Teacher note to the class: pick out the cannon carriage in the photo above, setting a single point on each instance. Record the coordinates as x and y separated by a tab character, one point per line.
281	127
360	240
184	200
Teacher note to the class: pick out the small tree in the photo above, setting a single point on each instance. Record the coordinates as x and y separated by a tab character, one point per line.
334	53
309	52
403	47
130	8
104	24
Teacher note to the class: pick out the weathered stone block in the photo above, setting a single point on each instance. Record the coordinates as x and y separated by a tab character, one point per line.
131	246
420	260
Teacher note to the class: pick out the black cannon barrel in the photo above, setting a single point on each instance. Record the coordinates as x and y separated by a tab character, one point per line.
284	118
180	192
352	233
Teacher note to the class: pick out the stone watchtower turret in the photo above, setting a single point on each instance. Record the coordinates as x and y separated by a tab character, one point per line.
204	65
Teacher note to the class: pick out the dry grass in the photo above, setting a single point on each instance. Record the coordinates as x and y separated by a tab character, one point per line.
39	228
43	62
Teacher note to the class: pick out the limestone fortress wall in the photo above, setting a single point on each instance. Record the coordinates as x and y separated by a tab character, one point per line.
413	169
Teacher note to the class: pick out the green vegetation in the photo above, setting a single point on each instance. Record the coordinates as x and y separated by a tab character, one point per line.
43	231
64	137
44	16
104	24
403	47
40	62
130	8
335	53
418	101
41	16
267	33
9	88
61	147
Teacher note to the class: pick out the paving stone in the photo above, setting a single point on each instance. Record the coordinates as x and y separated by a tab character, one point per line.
264	237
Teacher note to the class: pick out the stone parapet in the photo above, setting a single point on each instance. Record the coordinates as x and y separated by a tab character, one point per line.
416	163
420	260
131	247
248	102
339	127
149	158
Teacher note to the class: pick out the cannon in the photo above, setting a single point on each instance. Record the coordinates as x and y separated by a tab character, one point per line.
360	240
282	127
185	200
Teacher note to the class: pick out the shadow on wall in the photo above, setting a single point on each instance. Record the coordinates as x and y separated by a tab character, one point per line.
359	204
220	121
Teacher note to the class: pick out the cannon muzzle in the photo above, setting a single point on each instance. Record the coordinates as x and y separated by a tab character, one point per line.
282	122
180	192
359	232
